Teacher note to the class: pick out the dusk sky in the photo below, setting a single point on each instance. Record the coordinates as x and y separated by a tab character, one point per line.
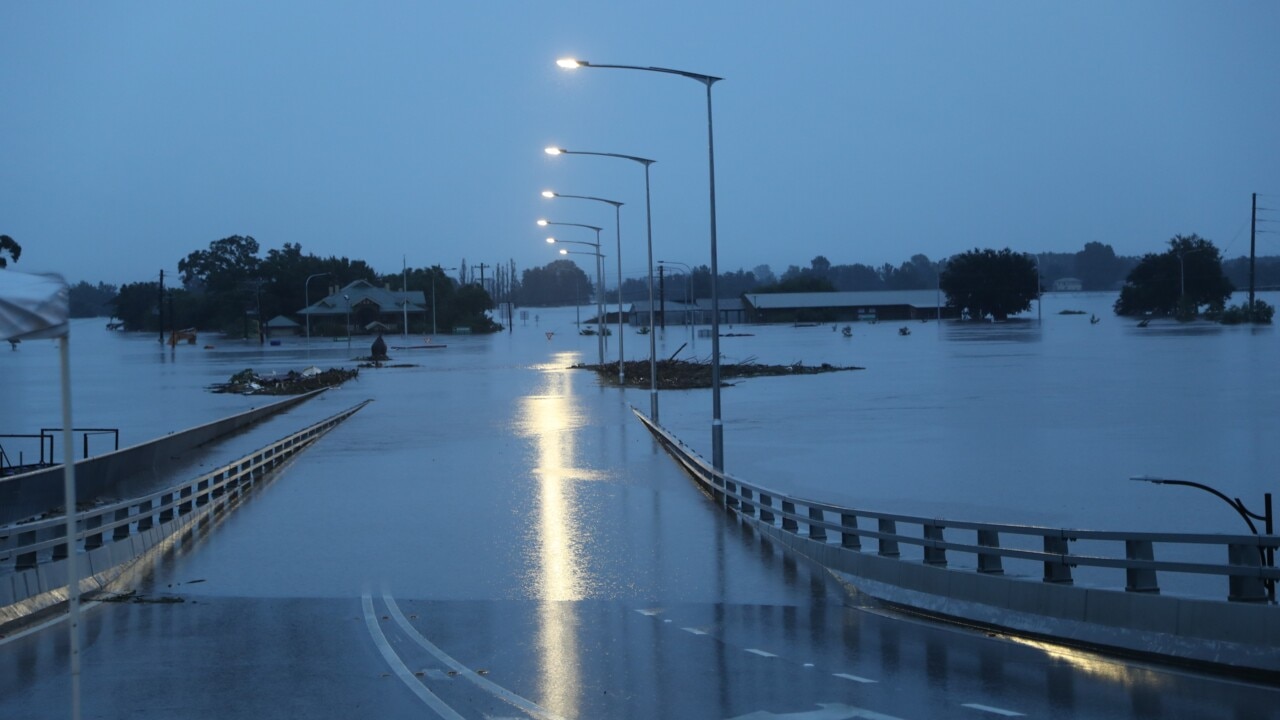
133	133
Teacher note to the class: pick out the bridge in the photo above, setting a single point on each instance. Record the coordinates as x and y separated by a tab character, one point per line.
537	552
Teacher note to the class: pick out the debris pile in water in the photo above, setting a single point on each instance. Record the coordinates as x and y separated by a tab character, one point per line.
689	374
247	382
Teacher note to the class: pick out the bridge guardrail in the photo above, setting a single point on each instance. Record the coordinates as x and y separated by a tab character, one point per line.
1245	566
34	547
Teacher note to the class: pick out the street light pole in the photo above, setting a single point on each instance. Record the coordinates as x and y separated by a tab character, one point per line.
599	284
348	299
433	295
717	427
306	297
688	295
648	224
1267	517
617	220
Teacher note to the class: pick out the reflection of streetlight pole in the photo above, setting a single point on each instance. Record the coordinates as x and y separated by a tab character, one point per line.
433	294
306	296
648	224
617	219
717	428
1267	517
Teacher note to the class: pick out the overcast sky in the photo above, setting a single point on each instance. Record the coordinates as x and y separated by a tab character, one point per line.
132	133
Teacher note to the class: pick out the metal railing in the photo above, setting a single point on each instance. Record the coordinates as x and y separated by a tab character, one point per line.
1244	558
29	544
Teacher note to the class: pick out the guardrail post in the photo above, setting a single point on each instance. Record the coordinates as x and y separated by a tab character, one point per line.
747	508
1057	570
121	531
166	514
184	507
1138	580
933	554
26	560
60	550
888	547
817	532
730	494
145	519
766	513
1243	588
989	562
849	539
788	522
92	541
202	495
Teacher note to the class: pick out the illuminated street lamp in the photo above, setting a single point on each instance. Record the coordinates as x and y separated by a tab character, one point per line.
717	427
648	224
617	220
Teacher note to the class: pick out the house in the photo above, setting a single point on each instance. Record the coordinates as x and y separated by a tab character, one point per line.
1067	284
847	306
281	326
361	303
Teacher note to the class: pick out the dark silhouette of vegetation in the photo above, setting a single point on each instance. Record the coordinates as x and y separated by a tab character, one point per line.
1261	314
10	247
88	301
1177	282
990	283
558	283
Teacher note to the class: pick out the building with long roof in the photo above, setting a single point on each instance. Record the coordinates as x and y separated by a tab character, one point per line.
847	306
367	306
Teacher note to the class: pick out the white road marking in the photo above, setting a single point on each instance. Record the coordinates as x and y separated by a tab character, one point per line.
484	683
650	612
432	700
695	631
854	678
761	653
993	710
825	711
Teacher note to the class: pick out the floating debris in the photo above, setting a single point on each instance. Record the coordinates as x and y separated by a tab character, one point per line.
247	382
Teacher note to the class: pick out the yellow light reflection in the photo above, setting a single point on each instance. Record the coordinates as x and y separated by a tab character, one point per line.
1091	664
557	570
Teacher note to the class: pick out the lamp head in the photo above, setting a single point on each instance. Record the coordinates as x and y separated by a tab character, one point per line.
571	64
553	151
564	252
548	194
542	223
551	241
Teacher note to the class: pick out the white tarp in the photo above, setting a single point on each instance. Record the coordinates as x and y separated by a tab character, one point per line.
33	306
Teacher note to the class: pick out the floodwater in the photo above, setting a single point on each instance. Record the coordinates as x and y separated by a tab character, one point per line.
515	512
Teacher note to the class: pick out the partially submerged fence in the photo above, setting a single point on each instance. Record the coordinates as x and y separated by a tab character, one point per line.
956	569
112	535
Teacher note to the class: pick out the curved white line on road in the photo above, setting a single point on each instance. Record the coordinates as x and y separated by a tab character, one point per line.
432	700
992	710
484	683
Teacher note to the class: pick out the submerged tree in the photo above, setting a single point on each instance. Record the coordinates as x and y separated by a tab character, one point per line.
11	247
1178	281
982	283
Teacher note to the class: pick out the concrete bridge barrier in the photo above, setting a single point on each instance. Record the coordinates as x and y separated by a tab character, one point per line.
956	570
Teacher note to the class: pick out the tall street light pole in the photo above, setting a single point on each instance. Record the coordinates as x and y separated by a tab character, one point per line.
599	283
617	220
688	293
433	294
648	224
717	427
306	297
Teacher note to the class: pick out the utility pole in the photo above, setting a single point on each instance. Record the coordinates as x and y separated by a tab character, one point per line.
482	266
160	305
1253	232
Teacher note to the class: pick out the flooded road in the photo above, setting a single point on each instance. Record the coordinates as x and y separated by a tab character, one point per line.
496	536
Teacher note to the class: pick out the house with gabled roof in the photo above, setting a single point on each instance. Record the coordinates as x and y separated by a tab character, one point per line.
362	304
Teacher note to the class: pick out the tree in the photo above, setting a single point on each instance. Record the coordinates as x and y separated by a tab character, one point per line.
558	283
137	306
87	301
1178	281
10	246
1097	267
983	283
